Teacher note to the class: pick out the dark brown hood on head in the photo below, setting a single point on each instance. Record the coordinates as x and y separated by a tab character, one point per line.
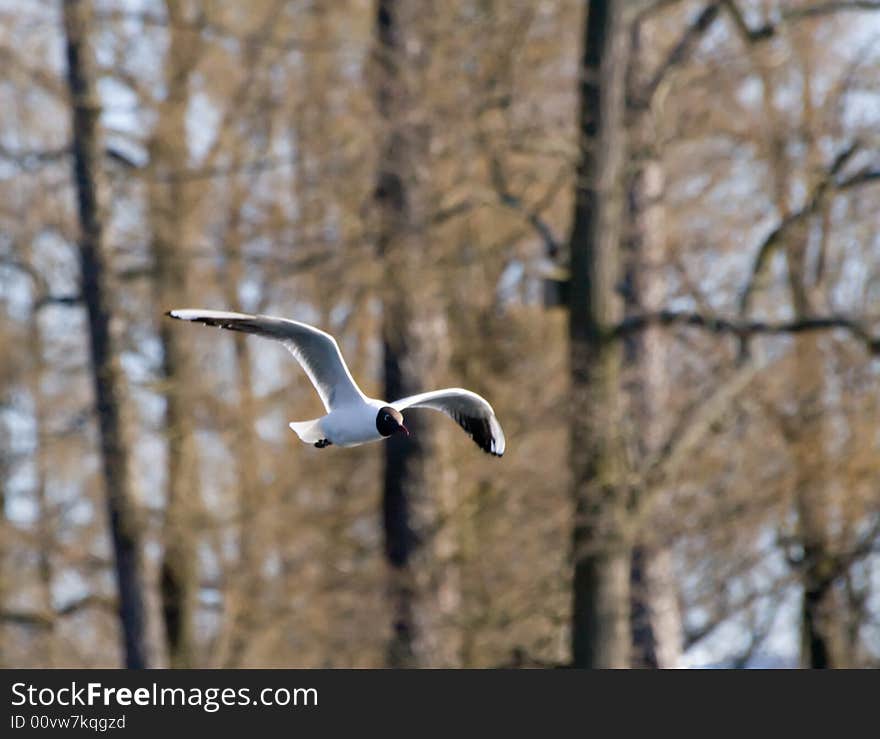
389	421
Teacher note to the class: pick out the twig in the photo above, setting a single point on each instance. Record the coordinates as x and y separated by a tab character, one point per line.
744	328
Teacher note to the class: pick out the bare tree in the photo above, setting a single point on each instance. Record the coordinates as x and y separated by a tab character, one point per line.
97	295
413	334
602	538
720	444
170	205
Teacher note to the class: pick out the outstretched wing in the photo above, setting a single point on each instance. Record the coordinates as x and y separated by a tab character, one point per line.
316	351
469	410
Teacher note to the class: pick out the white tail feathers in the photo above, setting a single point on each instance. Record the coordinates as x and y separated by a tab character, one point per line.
309	432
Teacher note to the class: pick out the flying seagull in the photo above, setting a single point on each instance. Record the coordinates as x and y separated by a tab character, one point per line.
353	418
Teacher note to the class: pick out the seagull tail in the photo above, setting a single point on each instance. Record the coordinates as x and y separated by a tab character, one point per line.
309	432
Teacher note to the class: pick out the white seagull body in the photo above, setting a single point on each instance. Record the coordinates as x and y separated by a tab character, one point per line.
353	418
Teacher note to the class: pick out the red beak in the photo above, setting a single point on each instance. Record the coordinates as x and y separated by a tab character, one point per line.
404	429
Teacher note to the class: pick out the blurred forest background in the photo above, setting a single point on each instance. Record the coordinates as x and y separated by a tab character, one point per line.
648	232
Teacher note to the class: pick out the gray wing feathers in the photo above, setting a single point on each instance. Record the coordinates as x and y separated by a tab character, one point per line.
470	411
316	351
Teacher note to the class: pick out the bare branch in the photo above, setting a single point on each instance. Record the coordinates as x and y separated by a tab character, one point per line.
743	328
552	245
39	77
32	159
694	424
680	53
865	177
219	172
776	237
46	619
449	212
34	619
739	22
726	608
214	30
829	8
67	300
768	30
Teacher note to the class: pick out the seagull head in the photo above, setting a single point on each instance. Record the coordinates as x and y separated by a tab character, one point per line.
390	421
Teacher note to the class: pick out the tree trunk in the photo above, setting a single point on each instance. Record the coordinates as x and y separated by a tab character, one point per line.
413	341
823	615
168	210
601	537
824	610
249	578
656	620
45	515
96	293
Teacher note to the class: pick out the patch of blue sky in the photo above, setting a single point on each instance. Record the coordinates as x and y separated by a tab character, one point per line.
202	121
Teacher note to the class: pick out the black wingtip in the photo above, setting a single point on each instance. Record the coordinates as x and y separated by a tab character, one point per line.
170	314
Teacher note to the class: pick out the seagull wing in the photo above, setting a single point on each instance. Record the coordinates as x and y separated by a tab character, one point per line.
316	351
469	410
